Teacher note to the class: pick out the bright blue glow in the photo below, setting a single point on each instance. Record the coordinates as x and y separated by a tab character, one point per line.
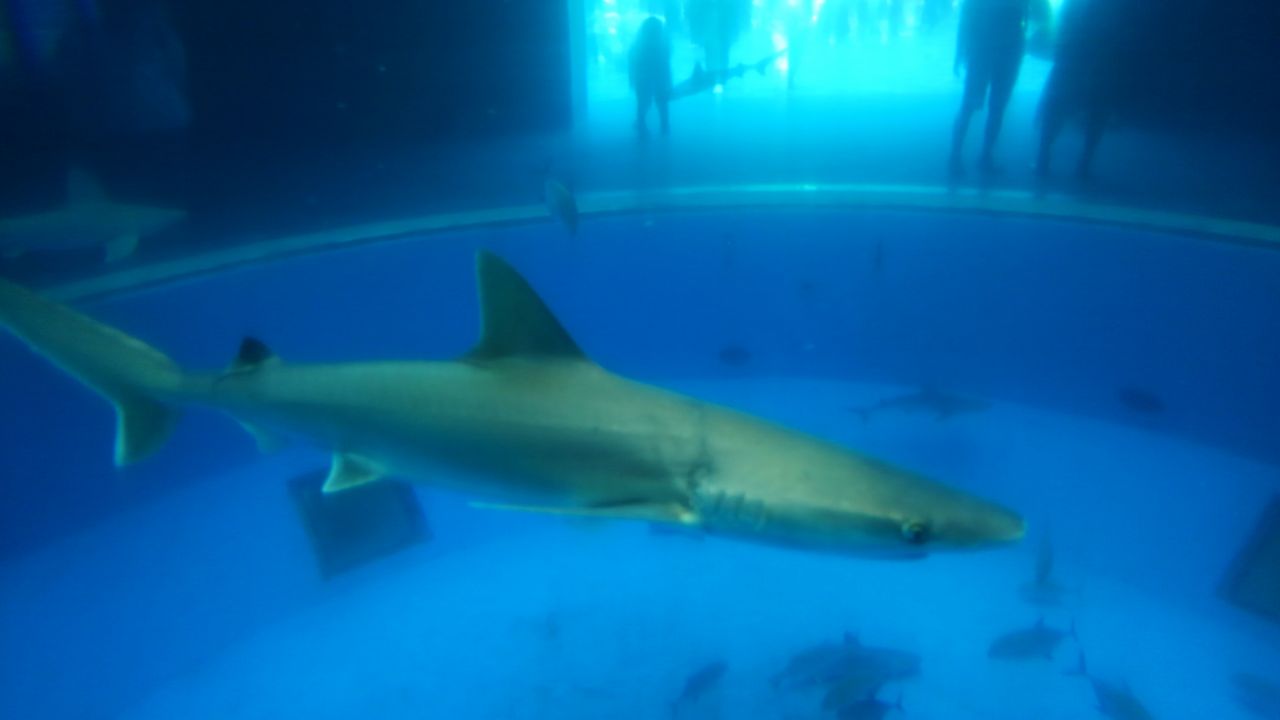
832	49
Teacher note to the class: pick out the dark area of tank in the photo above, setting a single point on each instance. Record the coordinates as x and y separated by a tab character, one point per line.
265	119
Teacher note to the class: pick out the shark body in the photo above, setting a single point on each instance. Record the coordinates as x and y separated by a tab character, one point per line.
533	424
88	218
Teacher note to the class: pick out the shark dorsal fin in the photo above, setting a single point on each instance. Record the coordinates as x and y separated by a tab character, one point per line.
82	188
514	320
253	353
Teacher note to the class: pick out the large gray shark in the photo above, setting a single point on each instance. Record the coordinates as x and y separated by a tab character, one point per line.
88	218
526	419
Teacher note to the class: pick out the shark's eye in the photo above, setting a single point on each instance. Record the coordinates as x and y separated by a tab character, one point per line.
915	532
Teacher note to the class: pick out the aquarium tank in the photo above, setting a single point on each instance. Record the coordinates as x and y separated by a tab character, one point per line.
640	359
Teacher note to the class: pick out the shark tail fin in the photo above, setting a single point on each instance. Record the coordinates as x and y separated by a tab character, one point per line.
135	377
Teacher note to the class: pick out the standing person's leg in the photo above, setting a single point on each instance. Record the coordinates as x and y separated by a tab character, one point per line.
975	87
1004	74
1052	116
1095	123
661	100
644	96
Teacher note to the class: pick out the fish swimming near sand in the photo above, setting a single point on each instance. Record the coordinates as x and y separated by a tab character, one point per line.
527	422
941	404
1115	701
870	708
831	663
1036	642
1044	590
703	681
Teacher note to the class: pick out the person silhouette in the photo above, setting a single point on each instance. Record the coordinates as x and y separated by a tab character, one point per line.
651	73
989	48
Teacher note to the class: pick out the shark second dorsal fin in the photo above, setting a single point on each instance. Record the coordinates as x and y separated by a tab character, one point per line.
82	188
514	320
253	353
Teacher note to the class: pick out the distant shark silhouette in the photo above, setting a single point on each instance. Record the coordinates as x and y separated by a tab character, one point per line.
527	418
702	80
87	219
941	404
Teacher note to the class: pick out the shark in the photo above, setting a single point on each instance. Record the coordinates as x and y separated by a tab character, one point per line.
1114	700
87	218
526	421
1035	642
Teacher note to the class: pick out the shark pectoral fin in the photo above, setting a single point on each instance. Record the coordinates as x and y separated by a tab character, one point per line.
122	247
349	471
142	426
268	442
626	511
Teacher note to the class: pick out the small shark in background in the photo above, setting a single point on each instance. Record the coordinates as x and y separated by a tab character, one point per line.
1258	695
698	685
1141	401
1036	642
527	420
562	205
929	400
1043	590
87	218
1115	701
849	670
702	80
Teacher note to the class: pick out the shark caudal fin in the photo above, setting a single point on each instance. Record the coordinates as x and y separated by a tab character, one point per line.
135	377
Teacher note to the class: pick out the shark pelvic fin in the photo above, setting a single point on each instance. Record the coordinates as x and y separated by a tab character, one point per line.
514	320
83	188
268	442
121	247
142	426
349	471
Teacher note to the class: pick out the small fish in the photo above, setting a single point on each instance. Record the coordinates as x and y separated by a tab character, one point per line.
562	205
1114	701
870	708
1140	401
943	405
698	684
855	687
1037	641
1258	695
734	356
1044	590
828	663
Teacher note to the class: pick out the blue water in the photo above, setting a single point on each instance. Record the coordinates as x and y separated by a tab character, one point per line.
184	586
